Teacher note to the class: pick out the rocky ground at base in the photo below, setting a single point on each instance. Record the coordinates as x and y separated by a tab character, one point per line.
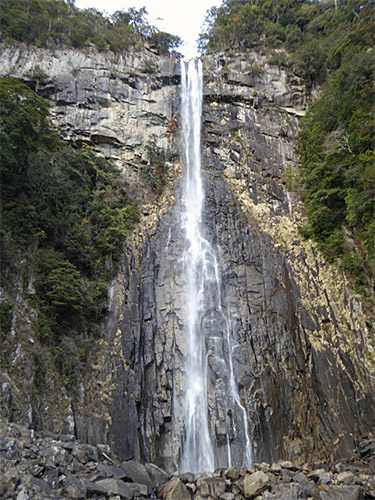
42	465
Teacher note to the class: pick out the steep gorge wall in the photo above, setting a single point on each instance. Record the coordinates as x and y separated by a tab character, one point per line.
117	105
299	335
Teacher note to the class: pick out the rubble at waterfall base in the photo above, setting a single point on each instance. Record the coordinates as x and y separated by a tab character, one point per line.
41	465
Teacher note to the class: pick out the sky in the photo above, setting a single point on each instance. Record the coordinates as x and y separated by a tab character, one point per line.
178	17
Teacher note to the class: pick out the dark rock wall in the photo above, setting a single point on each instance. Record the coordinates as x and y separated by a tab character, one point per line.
300	355
299	335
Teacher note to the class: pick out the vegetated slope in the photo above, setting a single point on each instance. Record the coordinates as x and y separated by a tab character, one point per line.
65	217
327	43
57	23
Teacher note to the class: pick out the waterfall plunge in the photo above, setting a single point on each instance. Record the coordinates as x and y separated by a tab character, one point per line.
210	380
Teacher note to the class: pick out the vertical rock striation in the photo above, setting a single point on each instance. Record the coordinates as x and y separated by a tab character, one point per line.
299	336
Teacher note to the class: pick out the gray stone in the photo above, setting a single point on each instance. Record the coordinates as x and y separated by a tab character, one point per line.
227	496
85	453
41	485
187	477
115	486
75	488
174	489
316	474
125	490
157	475
233	474
255	484
300	478
94	488
287	464
136	473
212	486
112	471
344	476
22	495
325	478
338	493
3	485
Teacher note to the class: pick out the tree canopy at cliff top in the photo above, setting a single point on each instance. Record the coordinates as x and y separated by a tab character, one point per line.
56	23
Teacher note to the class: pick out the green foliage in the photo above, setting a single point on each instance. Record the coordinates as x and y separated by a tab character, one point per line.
313	32
59	283
337	159
6	315
279	58
154	172
57	23
329	43
66	209
148	66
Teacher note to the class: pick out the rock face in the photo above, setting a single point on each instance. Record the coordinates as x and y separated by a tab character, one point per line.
298	332
299	335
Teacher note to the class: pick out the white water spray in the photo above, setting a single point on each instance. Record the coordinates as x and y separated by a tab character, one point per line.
209	365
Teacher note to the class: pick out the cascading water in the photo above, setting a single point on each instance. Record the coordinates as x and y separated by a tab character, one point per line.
211	389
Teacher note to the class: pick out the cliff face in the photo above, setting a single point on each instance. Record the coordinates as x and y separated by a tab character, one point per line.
300	332
117	105
300	338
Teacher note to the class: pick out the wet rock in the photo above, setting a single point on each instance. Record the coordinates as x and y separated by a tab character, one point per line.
255	484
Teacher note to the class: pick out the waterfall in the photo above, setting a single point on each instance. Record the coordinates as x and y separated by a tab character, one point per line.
216	428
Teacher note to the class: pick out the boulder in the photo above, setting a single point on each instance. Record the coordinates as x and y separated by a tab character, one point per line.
338	492
233	474
112	471
343	477
174	489
136	473
157	475
254	484
124	490
213	486
75	488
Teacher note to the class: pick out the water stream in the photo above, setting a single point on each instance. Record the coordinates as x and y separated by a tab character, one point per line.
216	427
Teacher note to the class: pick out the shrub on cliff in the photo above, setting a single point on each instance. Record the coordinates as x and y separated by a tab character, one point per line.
66	215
